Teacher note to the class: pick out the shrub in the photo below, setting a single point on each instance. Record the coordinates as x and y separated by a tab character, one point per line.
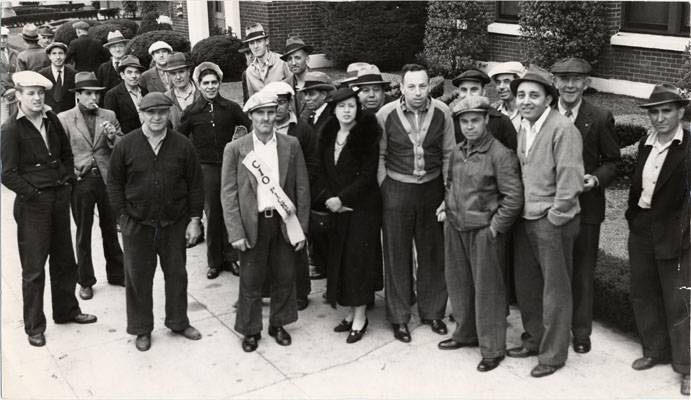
152	6
626	165
554	29
222	50
611	302
388	34
455	35
150	23
65	33
628	134
139	46
125	26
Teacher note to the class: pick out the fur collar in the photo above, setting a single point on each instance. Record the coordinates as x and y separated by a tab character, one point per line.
364	134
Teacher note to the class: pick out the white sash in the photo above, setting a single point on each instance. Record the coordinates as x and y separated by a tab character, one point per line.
282	203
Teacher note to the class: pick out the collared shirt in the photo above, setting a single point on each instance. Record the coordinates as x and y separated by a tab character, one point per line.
318	112
268	154
262	71
136	95
283	128
154	141
115	63
55	73
653	166
574	111
163	76
531	132
185	98
41	127
515	117
415	117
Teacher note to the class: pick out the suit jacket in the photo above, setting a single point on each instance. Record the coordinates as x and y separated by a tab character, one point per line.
176	111
670	201
118	100
320	122
239	186
67	100
297	103
152	81
600	156
32	58
86	53
107	75
85	149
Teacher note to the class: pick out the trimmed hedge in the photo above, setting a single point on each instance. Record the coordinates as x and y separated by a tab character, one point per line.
611	301
222	50
139	46
65	33
628	134
388	34
127	27
150	23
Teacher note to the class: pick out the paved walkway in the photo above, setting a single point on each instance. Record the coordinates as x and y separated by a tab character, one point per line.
100	361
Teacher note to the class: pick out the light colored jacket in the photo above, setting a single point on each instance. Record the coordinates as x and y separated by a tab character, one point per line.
258	74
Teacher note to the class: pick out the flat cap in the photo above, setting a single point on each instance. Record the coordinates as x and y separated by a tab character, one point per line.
471	74
80	25
53	45
203	67
130	61
471	104
155	100
278	88
259	100
509	67
159	45
31	78
571	65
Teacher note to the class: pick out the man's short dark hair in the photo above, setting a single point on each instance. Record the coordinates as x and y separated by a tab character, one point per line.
413	68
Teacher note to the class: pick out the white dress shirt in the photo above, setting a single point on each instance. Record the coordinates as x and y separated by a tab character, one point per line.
653	165
574	111
515	117
319	111
268	154
55	74
532	131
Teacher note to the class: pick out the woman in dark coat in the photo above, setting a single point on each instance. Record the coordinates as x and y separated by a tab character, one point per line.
347	186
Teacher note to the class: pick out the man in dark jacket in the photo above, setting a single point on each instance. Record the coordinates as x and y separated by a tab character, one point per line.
600	156
33	57
124	98
658	217
155	186
108	73
61	76
37	164
85	52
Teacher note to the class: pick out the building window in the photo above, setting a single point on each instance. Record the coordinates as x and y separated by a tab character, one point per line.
507	11
662	18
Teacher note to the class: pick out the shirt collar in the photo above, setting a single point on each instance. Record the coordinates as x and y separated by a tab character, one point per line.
55	70
540	121
148	136
257	142
405	108
270	59
478	147
318	112
678	136
20	112
574	110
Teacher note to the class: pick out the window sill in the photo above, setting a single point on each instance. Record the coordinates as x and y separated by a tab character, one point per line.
503	28
646	41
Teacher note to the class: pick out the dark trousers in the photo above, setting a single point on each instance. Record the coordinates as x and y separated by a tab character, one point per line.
217	245
409	215
475	281
274	257
142	244
584	261
303	286
88	193
43	229
659	296
543	267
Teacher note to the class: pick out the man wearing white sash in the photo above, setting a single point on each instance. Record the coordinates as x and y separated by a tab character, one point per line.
266	201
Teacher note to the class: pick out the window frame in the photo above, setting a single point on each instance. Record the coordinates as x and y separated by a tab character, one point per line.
674	26
502	17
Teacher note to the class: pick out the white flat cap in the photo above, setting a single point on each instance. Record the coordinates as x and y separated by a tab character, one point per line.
31	78
278	88
158	45
259	100
509	67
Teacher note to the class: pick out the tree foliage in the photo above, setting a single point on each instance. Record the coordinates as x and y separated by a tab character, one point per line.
223	51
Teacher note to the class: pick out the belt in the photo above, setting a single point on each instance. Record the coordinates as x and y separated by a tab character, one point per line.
268	213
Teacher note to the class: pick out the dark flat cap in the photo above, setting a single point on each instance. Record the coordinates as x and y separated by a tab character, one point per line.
471	75
571	65
53	45
80	25
155	100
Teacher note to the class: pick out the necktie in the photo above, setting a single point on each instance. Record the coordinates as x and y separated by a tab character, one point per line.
310	119
568	114
57	91
117	64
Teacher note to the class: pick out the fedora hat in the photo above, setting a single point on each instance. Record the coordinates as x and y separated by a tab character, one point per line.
471	74
369	75
114	37
86	80
176	61
352	72
537	75
129	61
254	32
342	94
318	81
663	94
30	33
53	45
293	44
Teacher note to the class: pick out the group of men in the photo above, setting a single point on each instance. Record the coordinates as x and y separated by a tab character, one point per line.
470	191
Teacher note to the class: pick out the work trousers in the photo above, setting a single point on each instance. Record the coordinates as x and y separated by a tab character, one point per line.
217	245
475	282
409	214
43	230
270	256
142	245
584	261
89	193
659	296
543	268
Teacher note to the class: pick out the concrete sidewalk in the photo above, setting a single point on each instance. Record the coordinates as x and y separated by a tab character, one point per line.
100	361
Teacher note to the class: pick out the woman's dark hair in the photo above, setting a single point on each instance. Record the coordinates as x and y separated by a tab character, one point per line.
208	72
358	107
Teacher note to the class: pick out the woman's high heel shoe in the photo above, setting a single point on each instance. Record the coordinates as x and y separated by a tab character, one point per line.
355	336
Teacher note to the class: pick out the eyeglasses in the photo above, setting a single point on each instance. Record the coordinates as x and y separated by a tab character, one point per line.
281	102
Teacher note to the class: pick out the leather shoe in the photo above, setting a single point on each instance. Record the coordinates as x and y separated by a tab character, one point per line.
213	273
685	384
521	352
355	336
233	267
143	342
190	333
302	303
488	364
86	293
37	340
401	332
452	344
344	326
644	363
438	326
250	342
80	318
541	370
581	346
282	337
525	336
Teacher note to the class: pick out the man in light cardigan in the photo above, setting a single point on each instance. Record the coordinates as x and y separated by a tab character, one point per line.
550	153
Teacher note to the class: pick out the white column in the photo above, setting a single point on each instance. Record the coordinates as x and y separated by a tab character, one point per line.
197	20
231	8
